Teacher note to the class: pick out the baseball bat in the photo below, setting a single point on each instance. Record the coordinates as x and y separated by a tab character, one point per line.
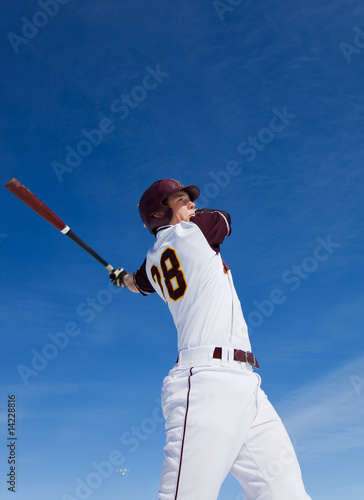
27	197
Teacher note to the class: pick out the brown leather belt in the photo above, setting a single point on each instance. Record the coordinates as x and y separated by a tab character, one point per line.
239	355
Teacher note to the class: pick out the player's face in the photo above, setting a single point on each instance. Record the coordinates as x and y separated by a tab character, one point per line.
183	208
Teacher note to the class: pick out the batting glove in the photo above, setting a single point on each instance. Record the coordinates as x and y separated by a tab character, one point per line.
117	277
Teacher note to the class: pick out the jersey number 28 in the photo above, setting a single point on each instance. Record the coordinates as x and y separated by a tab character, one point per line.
174	278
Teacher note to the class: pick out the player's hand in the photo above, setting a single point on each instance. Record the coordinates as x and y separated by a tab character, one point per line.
117	277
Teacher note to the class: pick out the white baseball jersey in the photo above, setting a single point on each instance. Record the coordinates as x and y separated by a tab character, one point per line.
185	268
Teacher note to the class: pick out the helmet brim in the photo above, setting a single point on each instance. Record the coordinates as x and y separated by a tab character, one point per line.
192	191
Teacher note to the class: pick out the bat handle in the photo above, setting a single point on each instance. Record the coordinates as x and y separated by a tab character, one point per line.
68	232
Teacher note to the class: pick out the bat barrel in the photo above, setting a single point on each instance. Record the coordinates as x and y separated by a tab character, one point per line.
27	197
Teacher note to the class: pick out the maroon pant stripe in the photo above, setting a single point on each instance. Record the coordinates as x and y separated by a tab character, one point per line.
184	432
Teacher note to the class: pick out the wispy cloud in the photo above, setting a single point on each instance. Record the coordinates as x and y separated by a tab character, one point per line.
327	416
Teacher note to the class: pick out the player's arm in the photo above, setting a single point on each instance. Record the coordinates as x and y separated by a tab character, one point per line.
215	225
129	282
212	210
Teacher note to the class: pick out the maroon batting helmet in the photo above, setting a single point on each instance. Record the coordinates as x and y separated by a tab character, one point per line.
153	198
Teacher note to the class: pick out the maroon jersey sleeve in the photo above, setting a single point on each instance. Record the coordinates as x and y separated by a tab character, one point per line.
142	282
215	225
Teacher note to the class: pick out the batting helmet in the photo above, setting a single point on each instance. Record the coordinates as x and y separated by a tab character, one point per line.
153	198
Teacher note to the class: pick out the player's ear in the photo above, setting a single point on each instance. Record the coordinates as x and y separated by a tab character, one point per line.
158	215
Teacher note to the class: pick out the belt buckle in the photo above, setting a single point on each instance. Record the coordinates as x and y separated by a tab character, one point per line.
250	358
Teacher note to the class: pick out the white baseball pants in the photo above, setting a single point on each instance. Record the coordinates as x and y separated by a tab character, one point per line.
218	420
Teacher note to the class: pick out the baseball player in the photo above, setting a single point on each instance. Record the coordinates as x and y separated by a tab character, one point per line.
218	419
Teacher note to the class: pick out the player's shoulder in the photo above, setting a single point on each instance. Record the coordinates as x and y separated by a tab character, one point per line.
214	224
209	217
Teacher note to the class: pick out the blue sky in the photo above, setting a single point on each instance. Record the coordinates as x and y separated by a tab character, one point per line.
261	105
